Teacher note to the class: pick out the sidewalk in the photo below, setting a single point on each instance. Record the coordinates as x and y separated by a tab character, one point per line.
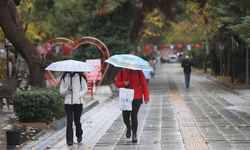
102	94
219	112
95	122
207	114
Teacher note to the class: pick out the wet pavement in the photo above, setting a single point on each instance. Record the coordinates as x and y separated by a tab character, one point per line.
205	116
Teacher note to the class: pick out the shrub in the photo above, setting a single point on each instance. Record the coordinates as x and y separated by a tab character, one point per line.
38	105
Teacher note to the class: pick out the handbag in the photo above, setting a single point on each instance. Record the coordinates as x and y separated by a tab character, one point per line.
126	97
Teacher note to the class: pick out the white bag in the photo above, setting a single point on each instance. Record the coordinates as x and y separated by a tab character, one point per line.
126	97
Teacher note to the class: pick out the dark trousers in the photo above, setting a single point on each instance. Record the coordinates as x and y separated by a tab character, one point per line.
73	112
187	78
133	123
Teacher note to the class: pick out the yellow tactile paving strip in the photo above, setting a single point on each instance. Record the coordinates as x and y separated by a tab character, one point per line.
190	133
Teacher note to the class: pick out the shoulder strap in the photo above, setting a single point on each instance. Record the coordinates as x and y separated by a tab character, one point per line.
80	78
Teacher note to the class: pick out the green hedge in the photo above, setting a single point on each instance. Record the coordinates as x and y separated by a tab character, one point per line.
38	105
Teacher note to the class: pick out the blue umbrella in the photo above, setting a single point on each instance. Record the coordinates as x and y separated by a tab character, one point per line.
148	74
129	61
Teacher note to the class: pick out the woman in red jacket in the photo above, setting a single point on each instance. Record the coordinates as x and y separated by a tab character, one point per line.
133	79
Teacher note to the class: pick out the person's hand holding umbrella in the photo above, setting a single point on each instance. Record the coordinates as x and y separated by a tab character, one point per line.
126	83
70	88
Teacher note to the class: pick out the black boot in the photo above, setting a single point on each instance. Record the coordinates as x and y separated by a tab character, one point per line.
79	139
134	139
128	133
70	143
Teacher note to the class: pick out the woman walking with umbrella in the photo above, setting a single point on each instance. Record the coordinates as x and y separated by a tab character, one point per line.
131	76
73	87
133	79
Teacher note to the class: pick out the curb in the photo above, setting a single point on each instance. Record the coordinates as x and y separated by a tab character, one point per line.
90	106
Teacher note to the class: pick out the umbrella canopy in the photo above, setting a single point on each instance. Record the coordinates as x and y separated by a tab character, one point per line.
70	66
129	61
148	74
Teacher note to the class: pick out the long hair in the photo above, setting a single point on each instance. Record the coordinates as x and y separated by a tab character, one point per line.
72	74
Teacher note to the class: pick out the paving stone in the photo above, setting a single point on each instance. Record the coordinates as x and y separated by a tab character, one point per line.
242	145
220	145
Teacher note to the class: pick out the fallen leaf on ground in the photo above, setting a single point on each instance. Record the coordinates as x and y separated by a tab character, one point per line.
227	126
236	128
243	125
155	142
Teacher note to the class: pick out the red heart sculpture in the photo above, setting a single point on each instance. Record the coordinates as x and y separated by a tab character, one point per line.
68	47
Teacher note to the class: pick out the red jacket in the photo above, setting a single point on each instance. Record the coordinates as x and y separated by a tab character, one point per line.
137	82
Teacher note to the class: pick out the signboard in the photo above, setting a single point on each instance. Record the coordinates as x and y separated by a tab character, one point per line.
97	74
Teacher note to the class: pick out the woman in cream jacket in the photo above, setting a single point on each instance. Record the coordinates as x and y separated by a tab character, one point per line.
73	87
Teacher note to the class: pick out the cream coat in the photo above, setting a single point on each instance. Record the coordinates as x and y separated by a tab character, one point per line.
78	91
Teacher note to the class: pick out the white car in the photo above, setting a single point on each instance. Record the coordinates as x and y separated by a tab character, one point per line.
172	59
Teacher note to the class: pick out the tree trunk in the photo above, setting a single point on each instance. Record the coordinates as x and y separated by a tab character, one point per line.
12	28
137	24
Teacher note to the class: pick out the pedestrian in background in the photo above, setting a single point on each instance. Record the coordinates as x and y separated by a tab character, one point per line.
73	87
186	64
134	79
